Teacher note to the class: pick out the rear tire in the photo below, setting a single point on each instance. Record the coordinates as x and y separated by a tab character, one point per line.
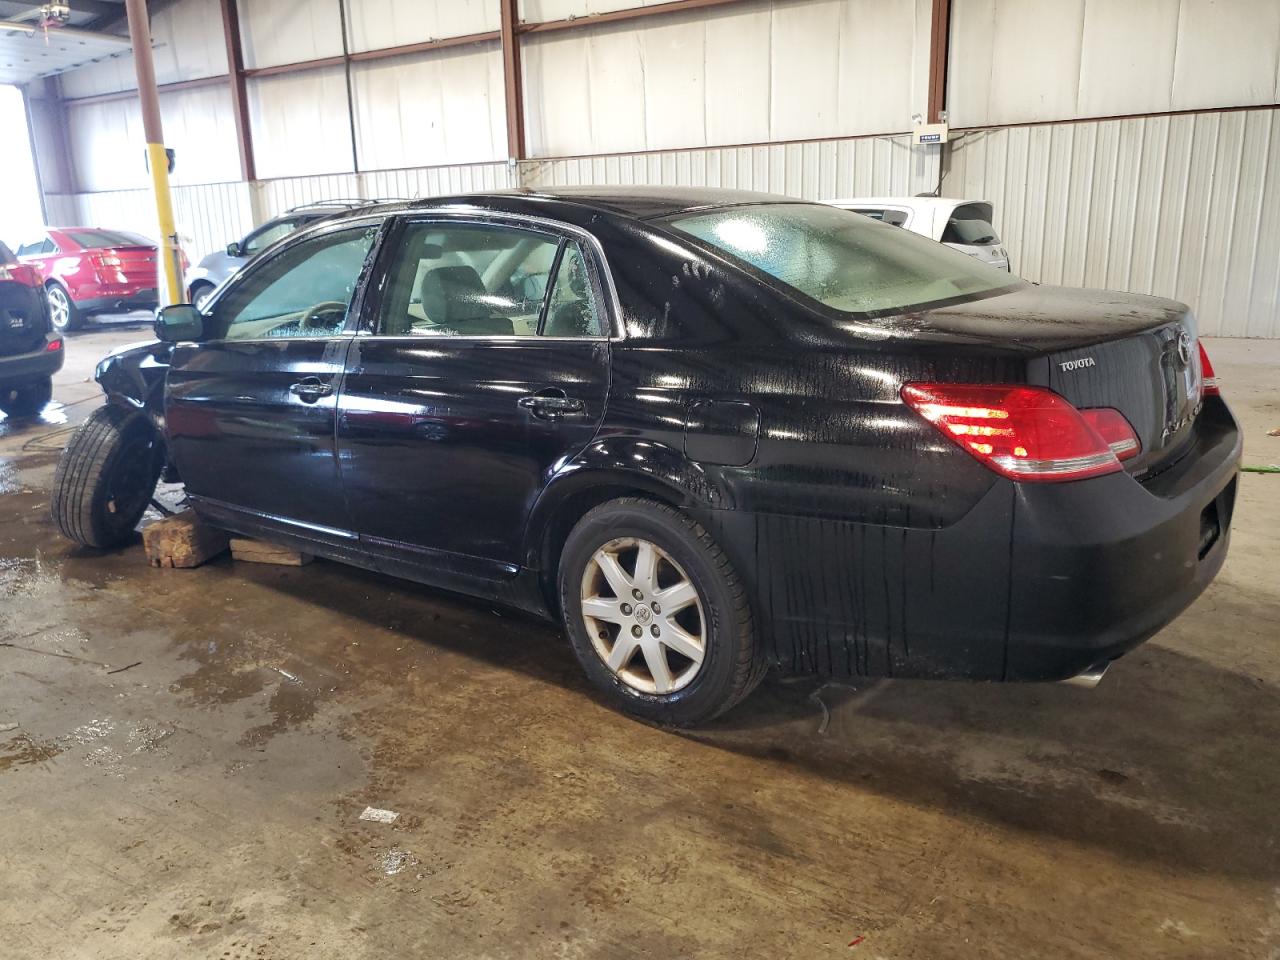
63	313
27	400
106	478
674	641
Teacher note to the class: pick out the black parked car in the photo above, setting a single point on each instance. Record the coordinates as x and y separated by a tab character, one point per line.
30	352
711	431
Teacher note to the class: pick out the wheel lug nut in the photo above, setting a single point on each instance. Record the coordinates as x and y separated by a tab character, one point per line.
656	608
654	630
636	631
637	594
626	609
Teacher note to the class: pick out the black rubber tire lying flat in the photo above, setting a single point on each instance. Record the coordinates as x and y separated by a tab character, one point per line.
733	660
27	400
106	477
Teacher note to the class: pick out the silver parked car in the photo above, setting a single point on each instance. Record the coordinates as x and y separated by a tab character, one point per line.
204	277
963	224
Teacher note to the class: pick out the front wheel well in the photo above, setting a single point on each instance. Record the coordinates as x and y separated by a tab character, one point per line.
568	513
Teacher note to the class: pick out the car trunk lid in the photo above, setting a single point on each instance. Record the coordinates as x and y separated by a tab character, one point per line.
132	264
1152	377
1097	348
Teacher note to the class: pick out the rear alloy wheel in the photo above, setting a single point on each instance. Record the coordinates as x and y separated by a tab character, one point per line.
106	477
27	400
62	311
656	613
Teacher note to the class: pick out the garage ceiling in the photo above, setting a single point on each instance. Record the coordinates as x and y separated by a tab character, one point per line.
27	54
28	51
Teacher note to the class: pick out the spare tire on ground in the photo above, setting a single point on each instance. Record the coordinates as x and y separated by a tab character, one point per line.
106	477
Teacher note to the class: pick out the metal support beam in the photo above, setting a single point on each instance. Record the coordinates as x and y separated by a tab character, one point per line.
235	76
631	13
939	46
513	79
157	158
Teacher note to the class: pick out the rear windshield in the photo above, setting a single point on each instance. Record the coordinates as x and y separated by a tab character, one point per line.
845	261
97	239
6	255
971	225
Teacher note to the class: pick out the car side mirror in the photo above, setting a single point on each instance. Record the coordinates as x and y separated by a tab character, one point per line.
178	322
233	249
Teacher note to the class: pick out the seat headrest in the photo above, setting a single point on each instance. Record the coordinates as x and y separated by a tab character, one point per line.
453	294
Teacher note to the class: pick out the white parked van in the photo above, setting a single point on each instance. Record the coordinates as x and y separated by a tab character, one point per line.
963	224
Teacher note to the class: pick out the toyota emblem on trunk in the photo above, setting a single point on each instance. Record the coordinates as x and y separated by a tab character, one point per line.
1184	348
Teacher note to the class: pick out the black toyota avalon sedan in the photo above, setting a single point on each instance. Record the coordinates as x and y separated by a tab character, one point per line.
709	431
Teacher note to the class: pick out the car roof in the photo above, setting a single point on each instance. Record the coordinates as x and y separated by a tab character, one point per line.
637	202
943	204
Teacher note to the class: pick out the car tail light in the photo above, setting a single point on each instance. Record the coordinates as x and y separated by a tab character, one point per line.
1115	430
1020	432
20	273
105	262
1208	378
54	346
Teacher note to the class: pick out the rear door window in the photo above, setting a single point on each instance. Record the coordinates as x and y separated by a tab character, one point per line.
970	225
101	239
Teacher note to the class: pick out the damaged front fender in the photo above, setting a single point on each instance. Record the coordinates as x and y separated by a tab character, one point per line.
134	377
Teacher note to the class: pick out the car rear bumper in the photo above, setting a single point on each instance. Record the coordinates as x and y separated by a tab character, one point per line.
1036	582
145	298
1100	566
23	368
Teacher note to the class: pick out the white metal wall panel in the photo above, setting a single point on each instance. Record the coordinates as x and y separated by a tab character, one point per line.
1228	54
273	32
445	106
749	73
1024	61
300	123
1186	207
377	24
1127	55
208	216
107	141
62	210
187	44
825	170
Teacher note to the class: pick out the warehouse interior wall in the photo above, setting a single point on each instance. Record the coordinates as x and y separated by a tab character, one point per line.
1128	145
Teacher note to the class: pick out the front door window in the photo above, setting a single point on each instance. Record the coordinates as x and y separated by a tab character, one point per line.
303	291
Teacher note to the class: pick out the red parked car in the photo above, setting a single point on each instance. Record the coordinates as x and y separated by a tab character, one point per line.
89	270
29	354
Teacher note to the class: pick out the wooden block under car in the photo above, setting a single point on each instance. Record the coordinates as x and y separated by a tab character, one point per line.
259	551
182	541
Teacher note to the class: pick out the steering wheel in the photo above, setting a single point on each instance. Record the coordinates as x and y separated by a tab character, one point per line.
311	319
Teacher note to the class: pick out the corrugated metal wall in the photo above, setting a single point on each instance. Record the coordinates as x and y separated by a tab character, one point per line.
1186	207
813	170
1025	61
211	215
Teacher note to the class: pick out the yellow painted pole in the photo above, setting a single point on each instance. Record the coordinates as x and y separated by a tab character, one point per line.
157	159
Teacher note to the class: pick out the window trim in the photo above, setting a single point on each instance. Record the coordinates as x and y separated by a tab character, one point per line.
602	286
283	246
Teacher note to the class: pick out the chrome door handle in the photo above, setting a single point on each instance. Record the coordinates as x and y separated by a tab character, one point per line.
310	389
551	405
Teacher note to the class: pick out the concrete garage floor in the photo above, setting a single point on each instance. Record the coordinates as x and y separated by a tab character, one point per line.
204	803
